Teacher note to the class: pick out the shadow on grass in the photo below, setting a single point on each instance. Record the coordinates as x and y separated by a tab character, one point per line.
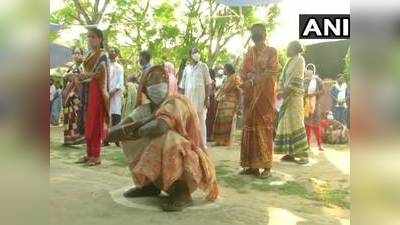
243	184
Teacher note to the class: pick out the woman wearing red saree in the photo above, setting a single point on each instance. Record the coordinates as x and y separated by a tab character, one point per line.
97	115
260	68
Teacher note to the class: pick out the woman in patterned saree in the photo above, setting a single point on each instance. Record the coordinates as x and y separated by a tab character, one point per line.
162	143
291	135
97	115
260	68
72	102
229	95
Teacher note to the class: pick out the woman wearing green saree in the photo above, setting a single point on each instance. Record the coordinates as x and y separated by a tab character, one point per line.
291	138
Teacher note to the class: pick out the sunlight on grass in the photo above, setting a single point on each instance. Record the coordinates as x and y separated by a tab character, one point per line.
242	184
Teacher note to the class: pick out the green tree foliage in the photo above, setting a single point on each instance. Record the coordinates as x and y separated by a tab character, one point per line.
347	65
164	29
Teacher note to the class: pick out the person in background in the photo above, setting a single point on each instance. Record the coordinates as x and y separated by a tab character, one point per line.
259	72
116	86
144	61
173	82
332	131
348	107
72	103
52	92
228	104
196	82
313	91
56	106
130	93
161	141
96	71
340	96
212	109
291	137
220	78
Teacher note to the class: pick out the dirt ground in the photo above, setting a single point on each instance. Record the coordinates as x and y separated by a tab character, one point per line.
317	193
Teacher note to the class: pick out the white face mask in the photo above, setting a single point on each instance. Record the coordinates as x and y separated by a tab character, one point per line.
158	92
330	117
196	57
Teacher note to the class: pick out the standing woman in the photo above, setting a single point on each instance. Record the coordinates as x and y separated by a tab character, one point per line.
97	115
229	96
291	135
260	68
212	109
72	102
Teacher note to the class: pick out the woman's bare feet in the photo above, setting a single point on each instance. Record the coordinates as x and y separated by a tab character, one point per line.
265	174
249	171
178	199
94	161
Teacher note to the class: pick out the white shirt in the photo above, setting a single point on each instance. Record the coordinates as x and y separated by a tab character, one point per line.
219	81
342	92
194	80
312	87
341	96
52	91
116	82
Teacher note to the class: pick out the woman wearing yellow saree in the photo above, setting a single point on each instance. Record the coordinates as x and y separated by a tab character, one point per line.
291	137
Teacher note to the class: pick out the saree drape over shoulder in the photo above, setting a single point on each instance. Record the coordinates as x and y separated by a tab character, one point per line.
291	135
259	107
175	155
225	122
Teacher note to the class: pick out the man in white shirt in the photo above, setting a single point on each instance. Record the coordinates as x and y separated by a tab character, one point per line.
195	85
116	87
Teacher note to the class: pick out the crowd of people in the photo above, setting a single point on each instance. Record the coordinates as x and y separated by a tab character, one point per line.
163	122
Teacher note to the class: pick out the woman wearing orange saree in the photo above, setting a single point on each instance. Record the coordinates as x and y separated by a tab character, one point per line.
162	143
97	115
260	68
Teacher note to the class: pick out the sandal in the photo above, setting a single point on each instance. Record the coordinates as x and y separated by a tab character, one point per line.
288	158
265	174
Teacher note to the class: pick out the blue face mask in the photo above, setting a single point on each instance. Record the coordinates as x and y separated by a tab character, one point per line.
158	92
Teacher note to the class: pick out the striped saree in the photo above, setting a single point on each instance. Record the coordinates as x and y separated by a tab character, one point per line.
291	135
225	122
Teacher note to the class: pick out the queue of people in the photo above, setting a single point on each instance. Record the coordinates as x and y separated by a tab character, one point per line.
163	123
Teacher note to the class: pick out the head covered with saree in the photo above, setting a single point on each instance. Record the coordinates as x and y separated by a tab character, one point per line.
155	84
